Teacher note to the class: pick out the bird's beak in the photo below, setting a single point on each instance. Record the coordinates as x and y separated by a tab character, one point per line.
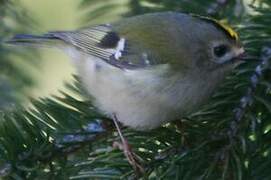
240	55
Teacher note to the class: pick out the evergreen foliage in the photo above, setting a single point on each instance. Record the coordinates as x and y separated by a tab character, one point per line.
229	138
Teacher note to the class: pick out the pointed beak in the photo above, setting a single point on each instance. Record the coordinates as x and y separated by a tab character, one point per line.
240	55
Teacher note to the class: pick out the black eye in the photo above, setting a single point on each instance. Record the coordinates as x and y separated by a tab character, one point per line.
220	50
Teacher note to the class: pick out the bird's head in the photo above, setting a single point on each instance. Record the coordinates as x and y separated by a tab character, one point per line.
210	44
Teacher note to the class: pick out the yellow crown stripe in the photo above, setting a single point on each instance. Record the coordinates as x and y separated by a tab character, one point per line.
231	32
221	25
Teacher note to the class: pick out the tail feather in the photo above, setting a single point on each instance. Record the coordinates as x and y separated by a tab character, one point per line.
46	40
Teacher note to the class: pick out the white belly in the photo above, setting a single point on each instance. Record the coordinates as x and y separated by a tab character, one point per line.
137	97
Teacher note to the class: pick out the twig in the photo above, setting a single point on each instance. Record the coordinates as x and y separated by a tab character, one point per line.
79	142
247	100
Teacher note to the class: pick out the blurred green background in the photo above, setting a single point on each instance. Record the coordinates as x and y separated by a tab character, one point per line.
54	66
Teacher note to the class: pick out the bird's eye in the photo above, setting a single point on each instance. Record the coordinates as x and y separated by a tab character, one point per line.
220	50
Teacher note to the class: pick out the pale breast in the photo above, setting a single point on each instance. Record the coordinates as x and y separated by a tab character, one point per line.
141	99
134	96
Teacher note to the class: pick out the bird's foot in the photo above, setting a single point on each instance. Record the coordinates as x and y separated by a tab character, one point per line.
133	159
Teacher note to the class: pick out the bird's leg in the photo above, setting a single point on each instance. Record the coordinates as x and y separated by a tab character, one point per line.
132	158
180	125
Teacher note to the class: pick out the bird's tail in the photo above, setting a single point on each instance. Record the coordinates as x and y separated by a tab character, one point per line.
46	40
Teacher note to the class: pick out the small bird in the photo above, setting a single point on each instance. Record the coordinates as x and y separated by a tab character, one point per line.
150	69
